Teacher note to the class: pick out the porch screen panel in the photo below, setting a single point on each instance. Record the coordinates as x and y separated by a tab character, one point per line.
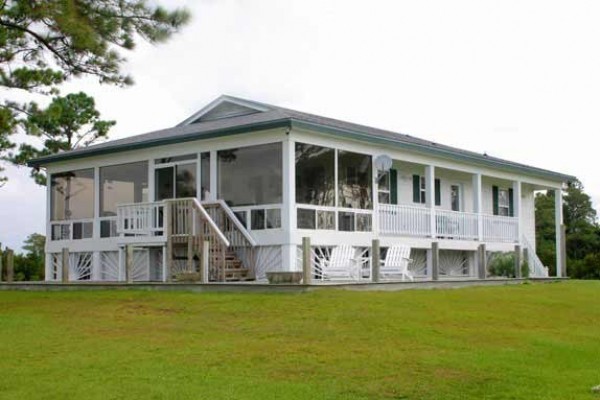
355	188
185	180
122	184
250	175
315	176
72	195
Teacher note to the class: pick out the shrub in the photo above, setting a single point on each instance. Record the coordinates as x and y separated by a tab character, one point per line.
503	265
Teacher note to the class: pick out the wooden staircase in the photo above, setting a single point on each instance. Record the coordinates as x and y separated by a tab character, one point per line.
188	226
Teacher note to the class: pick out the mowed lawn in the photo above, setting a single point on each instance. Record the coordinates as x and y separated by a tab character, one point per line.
532	341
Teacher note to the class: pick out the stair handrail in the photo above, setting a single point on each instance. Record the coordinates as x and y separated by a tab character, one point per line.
535	264
231	216
205	216
211	223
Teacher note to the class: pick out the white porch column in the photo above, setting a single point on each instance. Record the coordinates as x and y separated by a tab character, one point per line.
558	220
96	225
478	204
213	175
517	213
48	264
430	197
151	181
288	212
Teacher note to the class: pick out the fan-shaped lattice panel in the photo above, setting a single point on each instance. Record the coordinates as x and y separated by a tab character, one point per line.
266	258
80	266
453	263
418	265
55	266
109	266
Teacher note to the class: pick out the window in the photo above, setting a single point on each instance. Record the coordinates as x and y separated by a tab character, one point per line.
306	219
354	180
420	190
315	180
265	219
384	188
455	197
503	202
72	195
250	175
121	184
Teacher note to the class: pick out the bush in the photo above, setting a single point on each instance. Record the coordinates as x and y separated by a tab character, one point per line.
587	268
503	265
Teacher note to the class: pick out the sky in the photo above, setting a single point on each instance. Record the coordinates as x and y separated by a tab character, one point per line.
515	79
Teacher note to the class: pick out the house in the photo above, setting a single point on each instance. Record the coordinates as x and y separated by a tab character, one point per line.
238	185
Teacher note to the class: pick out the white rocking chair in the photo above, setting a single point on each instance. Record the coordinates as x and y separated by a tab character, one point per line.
396	262
341	265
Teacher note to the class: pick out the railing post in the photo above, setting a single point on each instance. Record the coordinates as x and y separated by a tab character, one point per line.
482	261
10	266
205	260
375	260
526	259
65	265
435	261
306	261
129	263
167	226
517	261
1	260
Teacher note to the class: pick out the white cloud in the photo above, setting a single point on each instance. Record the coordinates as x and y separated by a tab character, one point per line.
517	79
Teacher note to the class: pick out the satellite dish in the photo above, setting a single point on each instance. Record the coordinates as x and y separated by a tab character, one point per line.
383	163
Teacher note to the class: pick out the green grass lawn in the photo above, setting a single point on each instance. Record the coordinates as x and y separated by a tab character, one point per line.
535	341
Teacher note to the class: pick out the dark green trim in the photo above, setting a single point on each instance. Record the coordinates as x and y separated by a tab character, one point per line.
393	186
495	199
295	123
511	203
431	150
438	192
84	153
416	189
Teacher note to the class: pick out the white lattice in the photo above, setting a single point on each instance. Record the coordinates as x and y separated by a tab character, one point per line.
418	265
80	266
55	266
266	258
453	263
140	270
109	266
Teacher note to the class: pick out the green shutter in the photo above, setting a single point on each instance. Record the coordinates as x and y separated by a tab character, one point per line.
416	189
438	192
495	199
511	203
393	186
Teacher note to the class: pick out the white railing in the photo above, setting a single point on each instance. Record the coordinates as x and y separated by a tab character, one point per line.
416	221
144	219
536	267
404	220
500	229
456	225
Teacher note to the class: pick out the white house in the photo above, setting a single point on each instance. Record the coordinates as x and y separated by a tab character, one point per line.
239	184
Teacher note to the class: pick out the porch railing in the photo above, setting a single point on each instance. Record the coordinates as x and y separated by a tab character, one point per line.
141	219
497	228
455	224
406	220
